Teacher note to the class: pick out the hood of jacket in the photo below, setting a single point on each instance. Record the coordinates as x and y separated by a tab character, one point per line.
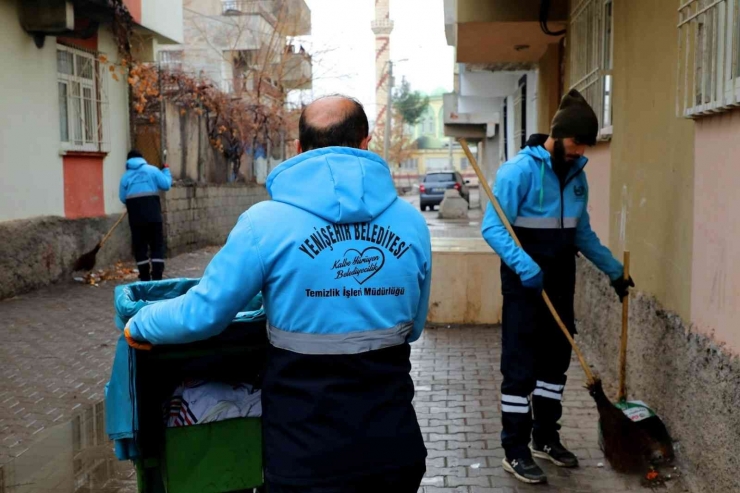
339	184
135	163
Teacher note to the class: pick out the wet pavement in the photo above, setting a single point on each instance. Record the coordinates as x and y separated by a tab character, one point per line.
58	347
446	228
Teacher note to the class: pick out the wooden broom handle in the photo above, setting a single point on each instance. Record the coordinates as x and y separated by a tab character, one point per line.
507	224
110	231
625	334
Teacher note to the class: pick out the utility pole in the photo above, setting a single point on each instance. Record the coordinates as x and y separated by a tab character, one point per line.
388	110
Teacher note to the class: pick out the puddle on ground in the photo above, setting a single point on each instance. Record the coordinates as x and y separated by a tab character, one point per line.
75	457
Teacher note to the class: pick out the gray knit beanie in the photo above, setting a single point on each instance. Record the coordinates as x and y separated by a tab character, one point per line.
575	119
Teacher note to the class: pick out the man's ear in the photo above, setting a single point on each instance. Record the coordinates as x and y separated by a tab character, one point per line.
298	149
366	142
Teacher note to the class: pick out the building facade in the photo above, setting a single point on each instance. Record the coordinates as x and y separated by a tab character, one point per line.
434	151
66	128
664	81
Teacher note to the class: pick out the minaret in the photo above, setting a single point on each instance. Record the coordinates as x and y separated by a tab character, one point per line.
382	27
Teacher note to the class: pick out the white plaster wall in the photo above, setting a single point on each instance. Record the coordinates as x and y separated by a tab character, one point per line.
30	165
164	17
114	164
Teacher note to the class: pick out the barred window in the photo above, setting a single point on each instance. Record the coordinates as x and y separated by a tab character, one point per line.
709	57
82	103
591	40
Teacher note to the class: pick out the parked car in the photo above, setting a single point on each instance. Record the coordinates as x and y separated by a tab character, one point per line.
432	188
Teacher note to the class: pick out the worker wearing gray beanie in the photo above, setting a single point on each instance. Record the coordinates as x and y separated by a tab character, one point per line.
544	192
575	119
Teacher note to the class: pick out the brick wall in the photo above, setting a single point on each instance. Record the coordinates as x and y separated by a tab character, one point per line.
203	215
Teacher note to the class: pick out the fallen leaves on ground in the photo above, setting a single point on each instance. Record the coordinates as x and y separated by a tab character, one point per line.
119	272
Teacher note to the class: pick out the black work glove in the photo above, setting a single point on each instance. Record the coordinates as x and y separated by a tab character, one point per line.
622	286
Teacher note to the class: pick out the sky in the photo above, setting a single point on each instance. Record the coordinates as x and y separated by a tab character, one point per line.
344	47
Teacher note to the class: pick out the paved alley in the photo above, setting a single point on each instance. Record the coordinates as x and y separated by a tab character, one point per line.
58	345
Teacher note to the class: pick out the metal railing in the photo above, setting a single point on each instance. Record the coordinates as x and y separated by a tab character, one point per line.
709	57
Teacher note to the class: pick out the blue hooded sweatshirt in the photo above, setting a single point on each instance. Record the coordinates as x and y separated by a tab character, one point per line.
139	190
550	217
344	266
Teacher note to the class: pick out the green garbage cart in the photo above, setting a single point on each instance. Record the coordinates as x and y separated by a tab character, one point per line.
216	457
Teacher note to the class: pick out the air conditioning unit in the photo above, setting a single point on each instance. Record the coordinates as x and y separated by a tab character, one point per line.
47	16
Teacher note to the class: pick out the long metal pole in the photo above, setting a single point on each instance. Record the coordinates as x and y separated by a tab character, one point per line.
387	134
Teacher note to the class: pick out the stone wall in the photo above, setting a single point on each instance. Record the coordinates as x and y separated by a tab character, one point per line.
692	382
203	215
37	252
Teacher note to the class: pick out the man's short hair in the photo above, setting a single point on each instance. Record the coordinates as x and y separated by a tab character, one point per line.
348	131
134	153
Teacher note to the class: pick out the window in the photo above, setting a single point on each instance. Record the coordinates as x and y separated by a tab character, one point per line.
171	59
590	57
428	125
439	177
411	164
709	56
464	163
506	129
82	108
520	113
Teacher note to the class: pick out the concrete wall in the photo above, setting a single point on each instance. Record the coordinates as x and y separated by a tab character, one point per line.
488	84
29	119
598	171
466	287
669	205
715	283
200	216
31	162
685	376
189	152
114	165
41	251
652	153
164	17
548	88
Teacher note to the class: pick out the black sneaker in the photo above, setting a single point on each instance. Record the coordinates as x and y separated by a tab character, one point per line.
525	470
555	453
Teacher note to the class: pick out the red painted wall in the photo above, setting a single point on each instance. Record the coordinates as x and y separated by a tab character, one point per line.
90	43
134	7
83	186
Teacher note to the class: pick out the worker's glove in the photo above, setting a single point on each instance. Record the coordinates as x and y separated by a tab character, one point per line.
622	286
142	346
536	282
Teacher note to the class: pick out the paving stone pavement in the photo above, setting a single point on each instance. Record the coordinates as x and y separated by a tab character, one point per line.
56	351
457	377
57	348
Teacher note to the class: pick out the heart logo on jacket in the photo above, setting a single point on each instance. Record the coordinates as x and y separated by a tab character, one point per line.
363	265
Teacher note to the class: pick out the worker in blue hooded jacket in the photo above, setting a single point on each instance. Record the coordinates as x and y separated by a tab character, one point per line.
344	266
544	193
139	190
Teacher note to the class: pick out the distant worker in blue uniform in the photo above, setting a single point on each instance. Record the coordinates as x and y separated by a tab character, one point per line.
139	190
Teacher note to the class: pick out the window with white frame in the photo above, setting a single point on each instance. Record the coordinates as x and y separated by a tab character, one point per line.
709	57
171	59
520	113
591	40
411	164
82	103
428	125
